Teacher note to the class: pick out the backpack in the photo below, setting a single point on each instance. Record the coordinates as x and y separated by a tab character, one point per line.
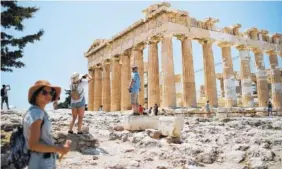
20	155
75	95
2	92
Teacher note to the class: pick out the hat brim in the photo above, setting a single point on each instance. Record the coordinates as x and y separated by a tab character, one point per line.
34	88
77	78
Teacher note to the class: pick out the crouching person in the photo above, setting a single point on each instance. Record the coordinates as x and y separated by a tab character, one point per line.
37	127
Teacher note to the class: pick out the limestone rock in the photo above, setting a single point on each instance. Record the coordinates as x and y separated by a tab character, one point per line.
153	133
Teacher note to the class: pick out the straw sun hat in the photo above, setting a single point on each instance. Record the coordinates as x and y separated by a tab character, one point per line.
41	83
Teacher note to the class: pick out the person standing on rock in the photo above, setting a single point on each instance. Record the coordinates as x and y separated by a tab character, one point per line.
269	108
37	127
4	96
78	82
134	88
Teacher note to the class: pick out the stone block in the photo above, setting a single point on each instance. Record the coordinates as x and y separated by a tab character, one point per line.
141	122
171	126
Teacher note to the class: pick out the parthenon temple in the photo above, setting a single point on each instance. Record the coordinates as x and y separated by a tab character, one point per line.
110	60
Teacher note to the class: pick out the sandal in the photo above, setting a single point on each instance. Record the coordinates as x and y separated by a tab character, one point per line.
70	132
79	132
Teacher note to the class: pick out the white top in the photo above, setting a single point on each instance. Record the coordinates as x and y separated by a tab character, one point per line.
80	89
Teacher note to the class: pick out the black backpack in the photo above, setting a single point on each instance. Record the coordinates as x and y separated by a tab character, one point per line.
19	156
2	92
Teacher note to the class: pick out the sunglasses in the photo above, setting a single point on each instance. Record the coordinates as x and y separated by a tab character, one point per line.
51	93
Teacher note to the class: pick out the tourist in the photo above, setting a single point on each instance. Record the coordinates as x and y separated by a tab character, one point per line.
78	82
134	88
156	109
140	110
101	108
150	110
4	96
269	108
37	127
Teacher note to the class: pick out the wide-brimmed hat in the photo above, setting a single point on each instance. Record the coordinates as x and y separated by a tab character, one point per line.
76	77
42	83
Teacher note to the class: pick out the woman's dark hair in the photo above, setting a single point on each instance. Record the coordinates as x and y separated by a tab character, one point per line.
36	93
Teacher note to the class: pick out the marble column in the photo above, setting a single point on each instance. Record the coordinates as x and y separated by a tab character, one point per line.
276	86
97	88
261	78
228	76
137	53
209	73
116	85
188	82
106	87
125	80
153	73
245	75
168	86
91	91
222	87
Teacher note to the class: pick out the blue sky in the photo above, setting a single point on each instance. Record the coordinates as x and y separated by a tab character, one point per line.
71	27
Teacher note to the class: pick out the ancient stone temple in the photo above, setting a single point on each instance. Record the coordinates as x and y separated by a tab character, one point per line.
110	60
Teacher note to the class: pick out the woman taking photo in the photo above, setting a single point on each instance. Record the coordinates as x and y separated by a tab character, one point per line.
78	82
37	127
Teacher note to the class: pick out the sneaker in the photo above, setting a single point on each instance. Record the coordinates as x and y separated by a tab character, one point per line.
70	132
79	132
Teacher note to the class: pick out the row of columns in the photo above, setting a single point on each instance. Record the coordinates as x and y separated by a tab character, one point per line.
116	96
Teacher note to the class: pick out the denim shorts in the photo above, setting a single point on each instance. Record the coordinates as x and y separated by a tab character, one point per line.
79	104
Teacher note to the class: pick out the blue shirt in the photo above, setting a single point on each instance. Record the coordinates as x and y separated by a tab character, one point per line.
36	161
136	82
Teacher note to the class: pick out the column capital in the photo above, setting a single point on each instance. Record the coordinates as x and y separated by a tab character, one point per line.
206	41
154	39
167	35
182	37
242	47
126	52
252	30
271	52
115	58
139	46
257	51
91	69
224	44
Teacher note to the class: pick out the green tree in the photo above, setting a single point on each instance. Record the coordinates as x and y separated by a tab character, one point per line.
67	101
12	17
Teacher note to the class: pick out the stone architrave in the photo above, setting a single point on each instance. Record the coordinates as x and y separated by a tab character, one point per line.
188	82
106	87
91	91
261	78
228	76
168	86
209	73
125	80
116	85
153	73
137	54
97	88
245	75
276	86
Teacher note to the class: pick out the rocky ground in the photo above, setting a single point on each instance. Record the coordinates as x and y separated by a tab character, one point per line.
206	143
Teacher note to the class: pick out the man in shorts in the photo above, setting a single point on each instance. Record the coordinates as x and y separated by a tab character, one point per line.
134	88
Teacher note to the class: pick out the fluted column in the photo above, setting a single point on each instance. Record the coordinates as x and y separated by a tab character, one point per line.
97	88
106	87
116	85
153	73
188	81
276	86
125	80
137	54
228	76
168	86
261	76
91	91
209	70
245	75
